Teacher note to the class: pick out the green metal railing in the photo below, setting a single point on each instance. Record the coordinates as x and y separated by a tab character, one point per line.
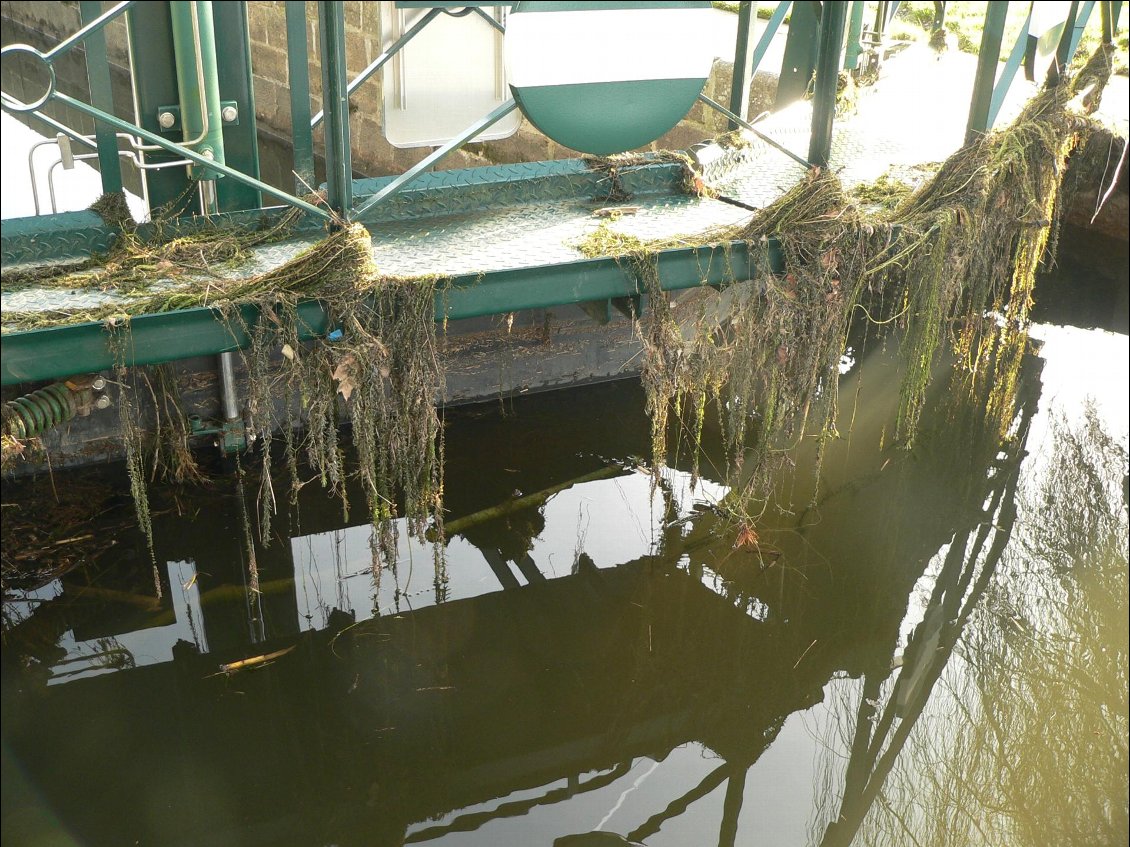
815	52
823	41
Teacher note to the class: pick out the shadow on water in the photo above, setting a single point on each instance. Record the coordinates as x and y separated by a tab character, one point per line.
579	644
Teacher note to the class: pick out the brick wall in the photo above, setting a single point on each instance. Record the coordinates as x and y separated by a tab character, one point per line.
372	154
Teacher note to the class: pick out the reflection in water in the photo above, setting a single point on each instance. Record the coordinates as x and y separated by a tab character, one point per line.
1024	742
610	659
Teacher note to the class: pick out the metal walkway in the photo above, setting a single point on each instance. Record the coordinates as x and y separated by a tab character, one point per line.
506	236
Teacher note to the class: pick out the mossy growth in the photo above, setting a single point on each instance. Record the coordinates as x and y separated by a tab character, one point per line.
943	266
381	364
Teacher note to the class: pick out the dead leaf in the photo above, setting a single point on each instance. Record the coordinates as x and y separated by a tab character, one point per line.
343	376
747	537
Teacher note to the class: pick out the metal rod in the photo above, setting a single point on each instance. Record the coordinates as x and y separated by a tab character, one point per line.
230	403
827	77
102	96
298	74
744	124
986	75
436	156
95	25
739	85
335	96
382	59
191	155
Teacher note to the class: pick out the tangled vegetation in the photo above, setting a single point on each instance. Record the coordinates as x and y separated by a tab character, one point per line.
942	265
381	362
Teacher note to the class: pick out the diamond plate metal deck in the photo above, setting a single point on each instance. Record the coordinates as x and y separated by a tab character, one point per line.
507	235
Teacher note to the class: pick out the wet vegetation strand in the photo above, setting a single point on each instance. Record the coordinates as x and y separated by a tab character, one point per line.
944	266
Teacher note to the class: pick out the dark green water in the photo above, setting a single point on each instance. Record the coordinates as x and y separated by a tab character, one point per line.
615	660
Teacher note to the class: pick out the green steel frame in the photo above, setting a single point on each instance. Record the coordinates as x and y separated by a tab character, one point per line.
815	50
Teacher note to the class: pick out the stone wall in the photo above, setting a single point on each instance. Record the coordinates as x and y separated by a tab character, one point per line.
372	154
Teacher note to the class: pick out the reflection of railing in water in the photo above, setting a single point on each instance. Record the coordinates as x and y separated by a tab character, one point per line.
974	554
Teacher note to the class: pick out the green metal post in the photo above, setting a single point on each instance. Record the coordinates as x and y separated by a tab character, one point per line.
198	84
1107	22
155	87
1084	15
743	55
241	140
801	48
335	102
298	71
102	96
1066	48
986	75
827	77
855	29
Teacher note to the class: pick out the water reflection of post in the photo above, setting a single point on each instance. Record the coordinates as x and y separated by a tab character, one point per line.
957	591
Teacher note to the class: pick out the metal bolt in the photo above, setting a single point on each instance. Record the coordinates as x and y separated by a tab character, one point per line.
167	120
99	383
102	402
230	114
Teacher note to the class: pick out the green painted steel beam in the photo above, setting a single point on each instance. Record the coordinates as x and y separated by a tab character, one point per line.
191	155
767	35
827	79
102	96
855	30
383	58
88	28
151	49
743	63
59	352
986	75
298	78
801	49
241	140
335	98
1008	72
436	156
736	122
1085	11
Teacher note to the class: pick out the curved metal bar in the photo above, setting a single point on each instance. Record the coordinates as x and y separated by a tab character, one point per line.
12	104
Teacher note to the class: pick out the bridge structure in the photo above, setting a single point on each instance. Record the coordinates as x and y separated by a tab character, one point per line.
504	237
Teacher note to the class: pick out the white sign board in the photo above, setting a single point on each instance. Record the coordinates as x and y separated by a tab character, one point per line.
449	75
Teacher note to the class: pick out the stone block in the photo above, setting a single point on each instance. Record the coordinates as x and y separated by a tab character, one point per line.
270	63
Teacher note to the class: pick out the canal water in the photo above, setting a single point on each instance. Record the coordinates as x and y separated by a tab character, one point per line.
926	647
